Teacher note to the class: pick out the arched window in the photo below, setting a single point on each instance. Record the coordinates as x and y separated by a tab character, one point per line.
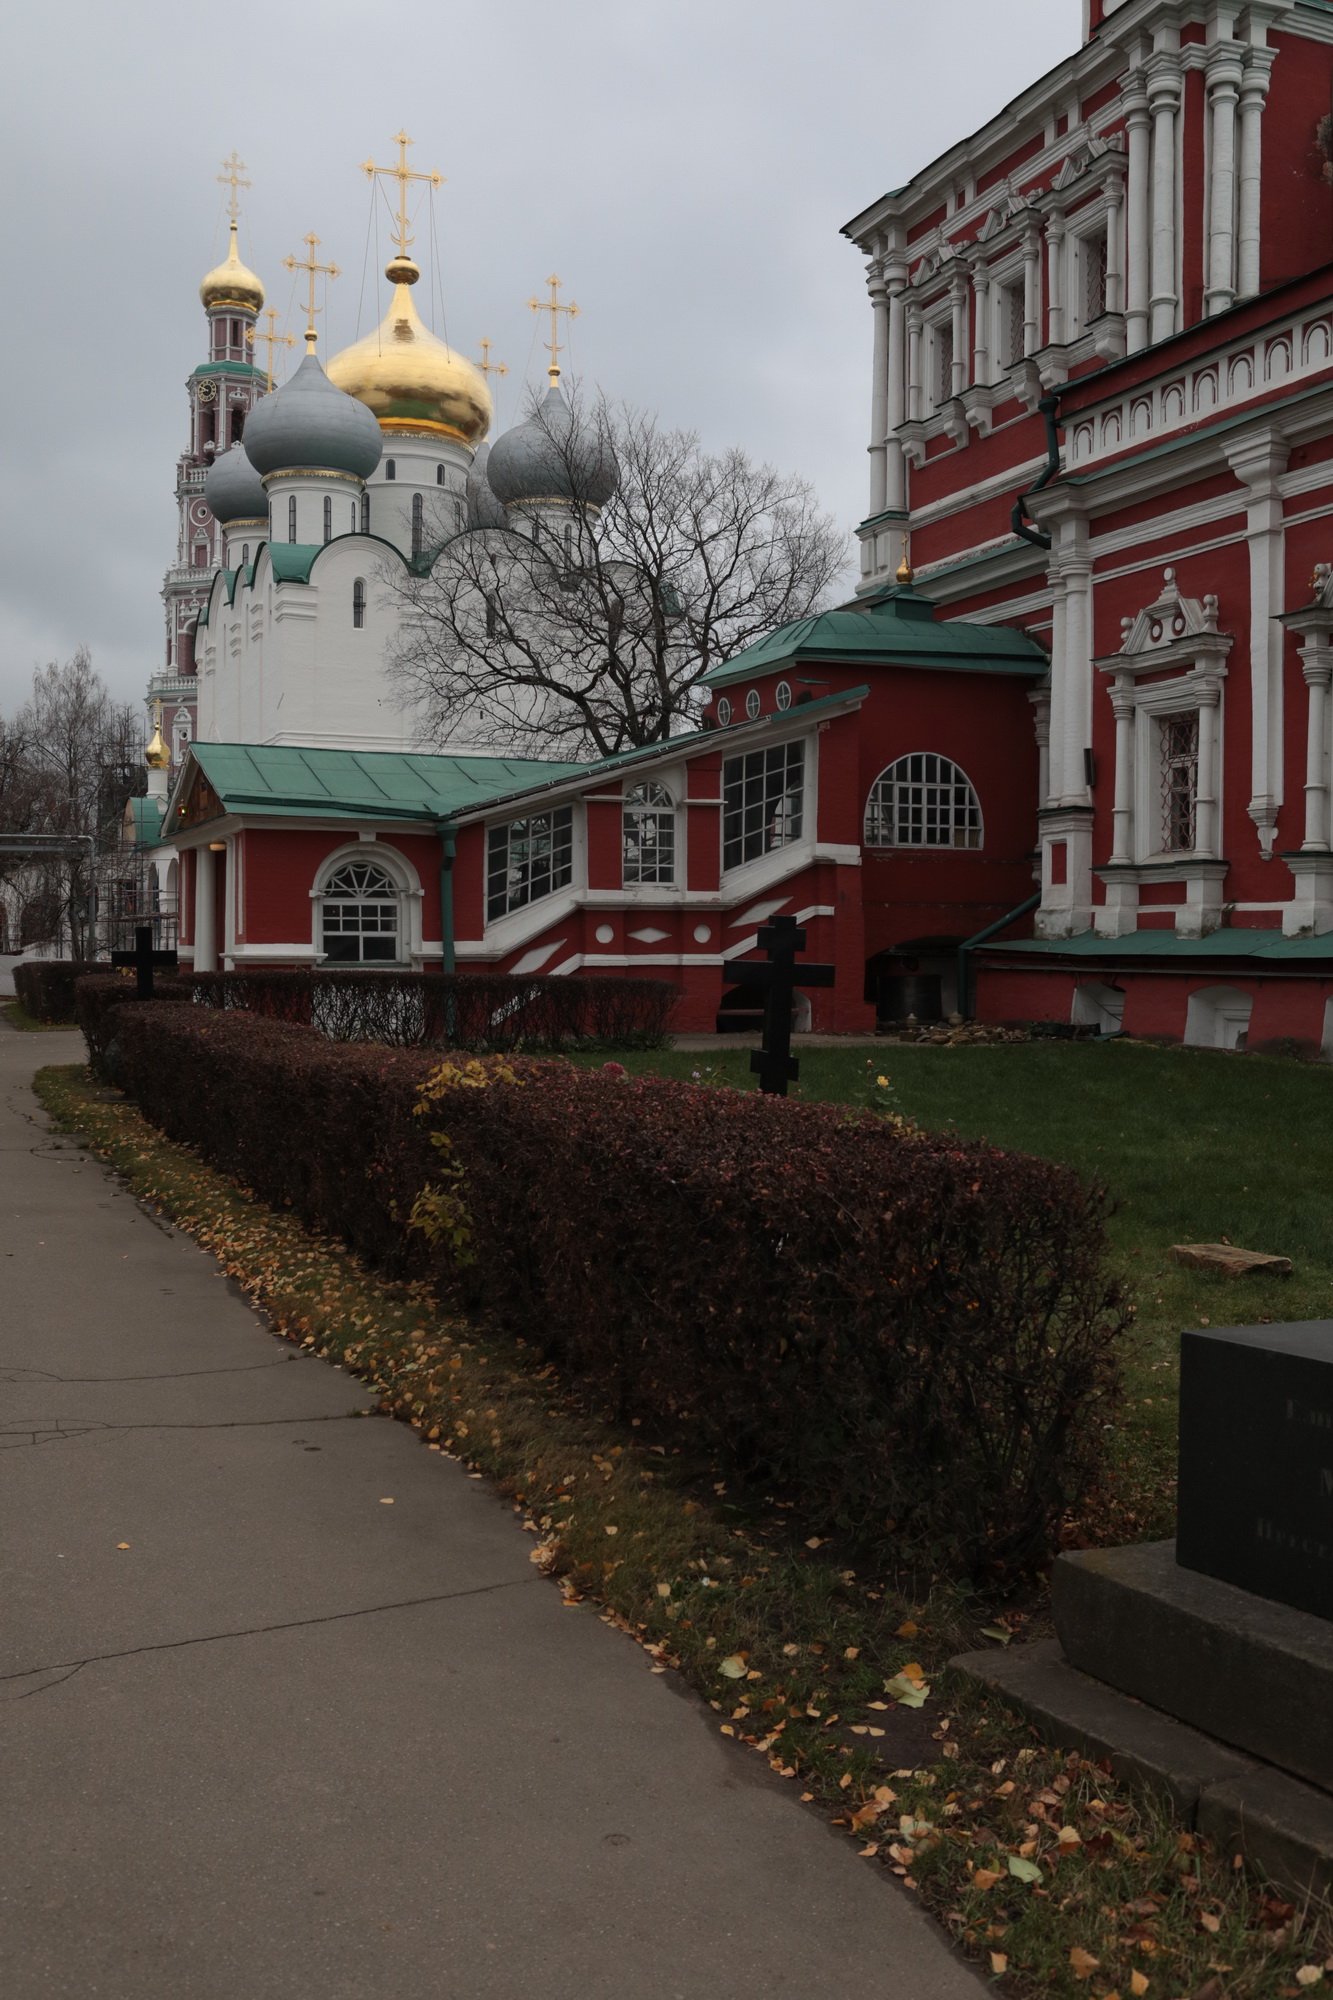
291	518
237	425
352	529
439	475
649	834
390	468
418	520
245	554
923	801
328	518
180	735
359	603
365	513
359	915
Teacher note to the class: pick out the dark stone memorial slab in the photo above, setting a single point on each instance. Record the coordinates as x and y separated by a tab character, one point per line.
1256	1460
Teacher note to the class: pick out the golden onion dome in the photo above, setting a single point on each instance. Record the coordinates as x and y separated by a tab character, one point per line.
157	756
230	283
408	378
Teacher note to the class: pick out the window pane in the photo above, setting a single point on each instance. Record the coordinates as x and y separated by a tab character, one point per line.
923	800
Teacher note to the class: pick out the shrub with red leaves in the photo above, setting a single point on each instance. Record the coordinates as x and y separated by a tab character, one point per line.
896	1330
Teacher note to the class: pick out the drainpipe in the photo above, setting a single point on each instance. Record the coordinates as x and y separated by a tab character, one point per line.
448	956
964	996
1018	520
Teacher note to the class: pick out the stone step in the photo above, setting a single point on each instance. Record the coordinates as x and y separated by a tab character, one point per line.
1282	1828
1254	1674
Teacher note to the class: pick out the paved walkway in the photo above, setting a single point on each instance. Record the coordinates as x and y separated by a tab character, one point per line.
291	1741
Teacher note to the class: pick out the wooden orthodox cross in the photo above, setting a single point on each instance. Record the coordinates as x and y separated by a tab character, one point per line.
312	270
554	307
143	958
774	1063
403	174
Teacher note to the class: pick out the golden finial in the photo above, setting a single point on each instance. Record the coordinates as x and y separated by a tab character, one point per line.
313	270
402	173
230	176
554	307
489	367
157	756
271	339
905	571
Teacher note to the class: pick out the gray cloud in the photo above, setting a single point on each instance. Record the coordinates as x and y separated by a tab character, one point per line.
684	165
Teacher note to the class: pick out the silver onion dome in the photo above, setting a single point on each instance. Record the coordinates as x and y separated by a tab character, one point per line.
549	458
234	490
484	510
309	426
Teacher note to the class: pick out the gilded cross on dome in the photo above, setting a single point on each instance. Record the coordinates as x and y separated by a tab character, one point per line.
489	367
230	176
271	339
403	174
313	270
554	307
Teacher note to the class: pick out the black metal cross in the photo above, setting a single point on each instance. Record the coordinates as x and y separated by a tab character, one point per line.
143	958
774	1064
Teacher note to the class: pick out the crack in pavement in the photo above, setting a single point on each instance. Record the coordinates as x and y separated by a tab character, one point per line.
19	1377
68	1668
58	1430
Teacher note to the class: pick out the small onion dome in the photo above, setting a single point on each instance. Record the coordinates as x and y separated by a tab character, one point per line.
231	284
157	756
544	459
234	490
309	426
483	509
408	378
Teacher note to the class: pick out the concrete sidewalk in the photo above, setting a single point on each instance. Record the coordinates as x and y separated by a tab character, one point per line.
292	1741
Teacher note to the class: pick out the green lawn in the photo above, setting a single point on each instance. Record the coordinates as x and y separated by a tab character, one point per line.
1193	1145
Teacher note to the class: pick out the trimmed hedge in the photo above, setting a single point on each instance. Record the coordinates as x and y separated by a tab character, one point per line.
914	1336
466	1010
44	987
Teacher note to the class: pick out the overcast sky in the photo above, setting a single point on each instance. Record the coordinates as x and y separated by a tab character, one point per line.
685	165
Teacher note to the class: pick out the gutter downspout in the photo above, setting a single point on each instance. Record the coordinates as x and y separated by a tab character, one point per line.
448	851
1018	519
964	996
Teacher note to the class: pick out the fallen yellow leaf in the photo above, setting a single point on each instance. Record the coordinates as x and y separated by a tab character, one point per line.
613	1531
733	1666
385	1502
908	1629
985	1878
998	1963
1082	1963
1309	1975
1139	1983
664	1590
122	1545
1210	1923
1069	1836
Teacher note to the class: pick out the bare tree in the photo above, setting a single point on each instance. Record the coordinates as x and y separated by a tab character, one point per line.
69	760
578	628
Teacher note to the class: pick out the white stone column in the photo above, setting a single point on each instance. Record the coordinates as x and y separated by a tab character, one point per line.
1259	464
895	463
981	323
1032	339
1224	79
205	911
1055	280
1041	726
1055	714
914	363
879	390
1115	242
1163	104
1077	665
1206	784
958	292
1317	667
1138	125
1122	815
1253	91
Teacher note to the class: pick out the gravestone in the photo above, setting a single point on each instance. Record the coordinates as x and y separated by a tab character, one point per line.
1256	1460
143	959
774	1064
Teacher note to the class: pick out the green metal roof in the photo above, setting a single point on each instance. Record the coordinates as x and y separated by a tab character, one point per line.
288	781
1225	943
225	368
293	561
146	819
902	628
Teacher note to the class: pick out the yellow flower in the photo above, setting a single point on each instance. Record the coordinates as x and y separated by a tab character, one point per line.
882	1082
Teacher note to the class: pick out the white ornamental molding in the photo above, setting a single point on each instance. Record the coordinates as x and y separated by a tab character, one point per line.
1169	619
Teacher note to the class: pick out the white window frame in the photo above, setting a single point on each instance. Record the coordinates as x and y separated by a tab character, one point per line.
1010	276
566	867
788	840
936	320
657	803
886	814
1092	221
407	888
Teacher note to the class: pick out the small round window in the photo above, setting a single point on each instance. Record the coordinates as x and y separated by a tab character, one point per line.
752	703
782	694
724	711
